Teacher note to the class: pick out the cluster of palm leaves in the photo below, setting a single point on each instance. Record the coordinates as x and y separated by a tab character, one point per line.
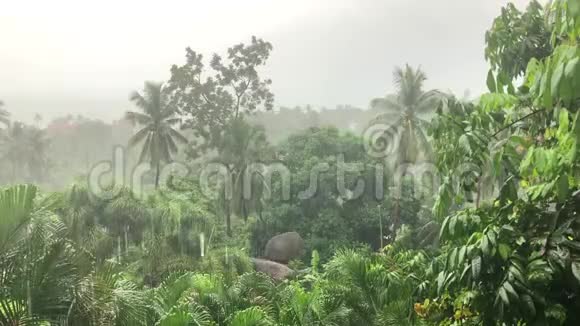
404	111
156	121
355	288
46	277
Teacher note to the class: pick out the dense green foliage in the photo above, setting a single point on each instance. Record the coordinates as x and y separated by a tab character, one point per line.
498	244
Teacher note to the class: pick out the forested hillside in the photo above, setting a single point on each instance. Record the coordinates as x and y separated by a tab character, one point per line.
426	209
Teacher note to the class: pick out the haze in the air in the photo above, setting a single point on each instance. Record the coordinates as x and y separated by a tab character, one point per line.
63	57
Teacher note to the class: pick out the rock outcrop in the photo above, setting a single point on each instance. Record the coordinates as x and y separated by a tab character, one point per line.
284	247
276	271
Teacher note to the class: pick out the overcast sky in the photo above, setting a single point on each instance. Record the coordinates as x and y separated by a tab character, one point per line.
61	56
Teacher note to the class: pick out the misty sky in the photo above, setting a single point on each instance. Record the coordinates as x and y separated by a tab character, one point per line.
60	56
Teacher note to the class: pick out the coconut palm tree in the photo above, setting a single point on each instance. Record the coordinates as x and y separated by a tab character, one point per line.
402	125
401	113
157	119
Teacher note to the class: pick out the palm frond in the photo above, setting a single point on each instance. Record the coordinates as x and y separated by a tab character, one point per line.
253	316
139	136
424	143
146	150
16	205
140	102
389	102
138	117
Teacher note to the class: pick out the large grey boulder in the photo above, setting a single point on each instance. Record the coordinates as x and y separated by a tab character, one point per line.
284	247
276	271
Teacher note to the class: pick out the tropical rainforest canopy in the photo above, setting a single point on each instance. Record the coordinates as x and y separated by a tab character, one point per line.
495	240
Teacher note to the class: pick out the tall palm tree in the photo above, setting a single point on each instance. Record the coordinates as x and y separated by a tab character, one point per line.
401	111
157	118
403	125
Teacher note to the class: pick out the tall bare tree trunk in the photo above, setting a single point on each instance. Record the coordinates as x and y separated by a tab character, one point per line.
126	238
478	198
157	172
396	217
381	227
228	219
119	248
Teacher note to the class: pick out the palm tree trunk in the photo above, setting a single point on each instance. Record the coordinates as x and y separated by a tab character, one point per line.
126	241
244	210
260	214
478	198
381	228
180	238
228	219
396	217
29	298
119	248
157	172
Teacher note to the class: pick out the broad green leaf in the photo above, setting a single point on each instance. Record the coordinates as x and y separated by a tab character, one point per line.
499	84
546	92
503	295
452	224
504	251
464	143
563	188
576	126
510	290
516	271
492	238
485	245
566	91
570	69
568	85
528	303
533	72
557	79
576	79
576	137
461	257
527	161
564	122
464	273
511	90
491	82
576	270
440	281
444	227
476	267
451	258
574	9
